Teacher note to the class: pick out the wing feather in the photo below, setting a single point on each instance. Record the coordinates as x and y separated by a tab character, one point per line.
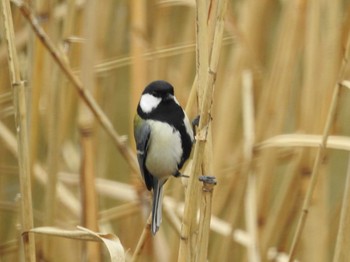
142	134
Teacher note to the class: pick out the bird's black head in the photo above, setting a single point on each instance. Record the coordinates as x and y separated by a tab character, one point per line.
159	103
159	88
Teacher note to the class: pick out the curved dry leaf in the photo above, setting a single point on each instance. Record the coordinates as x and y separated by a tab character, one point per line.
111	241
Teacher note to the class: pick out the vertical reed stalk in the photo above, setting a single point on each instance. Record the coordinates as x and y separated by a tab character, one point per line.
249	138
188	242
47	76
343	238
87	131
274	101
281	212
320	154
138	48
146	233
125	151
315	171
189	221
22	133
138	73
204	217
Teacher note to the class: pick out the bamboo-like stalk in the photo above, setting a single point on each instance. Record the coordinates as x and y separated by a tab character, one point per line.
272	107
56	129
119	142
309	104
188	228
320	154
22	135
88	192
204	217
138	49
249	138
49	74
66	103
139	74
294	55
146	233
38	72
249	34
87	131
341	252
205	93
281	213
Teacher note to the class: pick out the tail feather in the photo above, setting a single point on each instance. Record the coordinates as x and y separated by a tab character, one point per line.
157	205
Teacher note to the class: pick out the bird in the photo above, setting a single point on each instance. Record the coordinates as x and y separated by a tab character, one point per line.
164	138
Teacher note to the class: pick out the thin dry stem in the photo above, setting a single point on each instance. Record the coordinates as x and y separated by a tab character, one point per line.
320	155
22	135
189	224
146	234
249	138
88	134
343	240
204	218
83	93
205	93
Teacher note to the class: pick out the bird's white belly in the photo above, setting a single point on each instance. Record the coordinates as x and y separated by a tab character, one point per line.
165	150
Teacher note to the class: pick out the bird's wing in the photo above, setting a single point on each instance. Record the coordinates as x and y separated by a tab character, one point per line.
142	133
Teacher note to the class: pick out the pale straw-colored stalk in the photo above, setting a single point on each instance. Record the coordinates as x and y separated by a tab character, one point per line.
52	75
22	133
320	154
119	142
251	217
205	217
189	222
341	252
146	234
88	134
206	72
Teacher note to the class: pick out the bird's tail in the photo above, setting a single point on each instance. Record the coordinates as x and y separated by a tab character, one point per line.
157	205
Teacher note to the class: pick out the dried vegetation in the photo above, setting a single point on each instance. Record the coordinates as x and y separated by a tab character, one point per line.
270	81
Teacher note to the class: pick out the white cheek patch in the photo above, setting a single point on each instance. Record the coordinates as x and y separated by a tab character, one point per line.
149	102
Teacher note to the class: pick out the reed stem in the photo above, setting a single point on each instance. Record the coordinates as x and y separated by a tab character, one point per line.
21	120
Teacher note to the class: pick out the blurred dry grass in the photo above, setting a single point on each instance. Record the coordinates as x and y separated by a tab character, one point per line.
292	51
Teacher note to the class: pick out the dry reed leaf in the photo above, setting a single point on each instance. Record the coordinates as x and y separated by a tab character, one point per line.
346	83
190	3
112	242
303	140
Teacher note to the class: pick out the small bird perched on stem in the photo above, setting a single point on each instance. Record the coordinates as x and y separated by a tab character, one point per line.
164	139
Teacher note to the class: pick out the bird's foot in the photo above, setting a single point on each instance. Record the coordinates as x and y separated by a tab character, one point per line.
195	121
178	174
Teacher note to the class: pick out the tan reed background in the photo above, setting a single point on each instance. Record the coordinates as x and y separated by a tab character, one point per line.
270	80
